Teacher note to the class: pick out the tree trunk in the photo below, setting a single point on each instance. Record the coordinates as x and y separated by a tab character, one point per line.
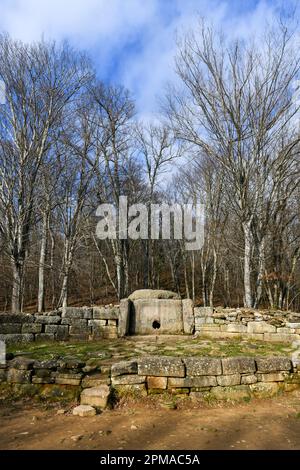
16	302
247	265
213	281
43	250
261	271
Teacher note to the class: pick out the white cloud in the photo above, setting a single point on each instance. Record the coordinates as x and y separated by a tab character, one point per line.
132	41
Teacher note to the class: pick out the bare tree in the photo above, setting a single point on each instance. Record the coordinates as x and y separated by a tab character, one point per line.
40	80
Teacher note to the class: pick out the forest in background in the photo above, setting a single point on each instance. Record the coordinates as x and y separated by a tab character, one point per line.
227	136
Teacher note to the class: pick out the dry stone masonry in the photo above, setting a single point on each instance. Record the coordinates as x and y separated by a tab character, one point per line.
220	378
151	312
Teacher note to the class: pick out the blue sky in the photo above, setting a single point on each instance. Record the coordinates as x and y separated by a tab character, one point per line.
133	42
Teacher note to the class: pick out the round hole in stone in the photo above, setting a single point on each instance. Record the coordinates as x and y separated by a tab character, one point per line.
156	325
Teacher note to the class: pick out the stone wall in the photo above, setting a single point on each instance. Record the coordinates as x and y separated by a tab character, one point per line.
249	323
220	378
74	323
143	314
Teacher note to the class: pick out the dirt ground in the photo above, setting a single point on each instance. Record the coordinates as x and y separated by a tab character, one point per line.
260	424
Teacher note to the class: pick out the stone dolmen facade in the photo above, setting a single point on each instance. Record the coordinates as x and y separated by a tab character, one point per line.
150	312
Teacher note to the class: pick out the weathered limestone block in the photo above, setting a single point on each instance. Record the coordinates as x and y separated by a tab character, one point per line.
202	366
229	380
273	364
45	364
47	320
153	294
95	396
287	331
293	378
234	328
84	410
260	327
80	330
256	336
156	316
272	377
200	381
73	312
16	318
17	338
210	327
281	337
106	313
238	365
128	379
70	363
42	372
110	332
7	328
87	313
180	391
157	382
42	380
204	321
292	325
95	380
78	322
137	390
97	324
62	332
22	363
248	379
237	392
68	379
112	323
44	337
161	366
51	329
265	390
203	311
188	316
124	368
20	376
32	328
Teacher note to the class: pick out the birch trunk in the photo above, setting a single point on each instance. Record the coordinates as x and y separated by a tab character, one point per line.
247	264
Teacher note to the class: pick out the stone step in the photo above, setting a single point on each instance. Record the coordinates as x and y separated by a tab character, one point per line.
95	396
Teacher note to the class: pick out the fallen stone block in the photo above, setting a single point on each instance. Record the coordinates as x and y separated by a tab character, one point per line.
95	396
84	410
